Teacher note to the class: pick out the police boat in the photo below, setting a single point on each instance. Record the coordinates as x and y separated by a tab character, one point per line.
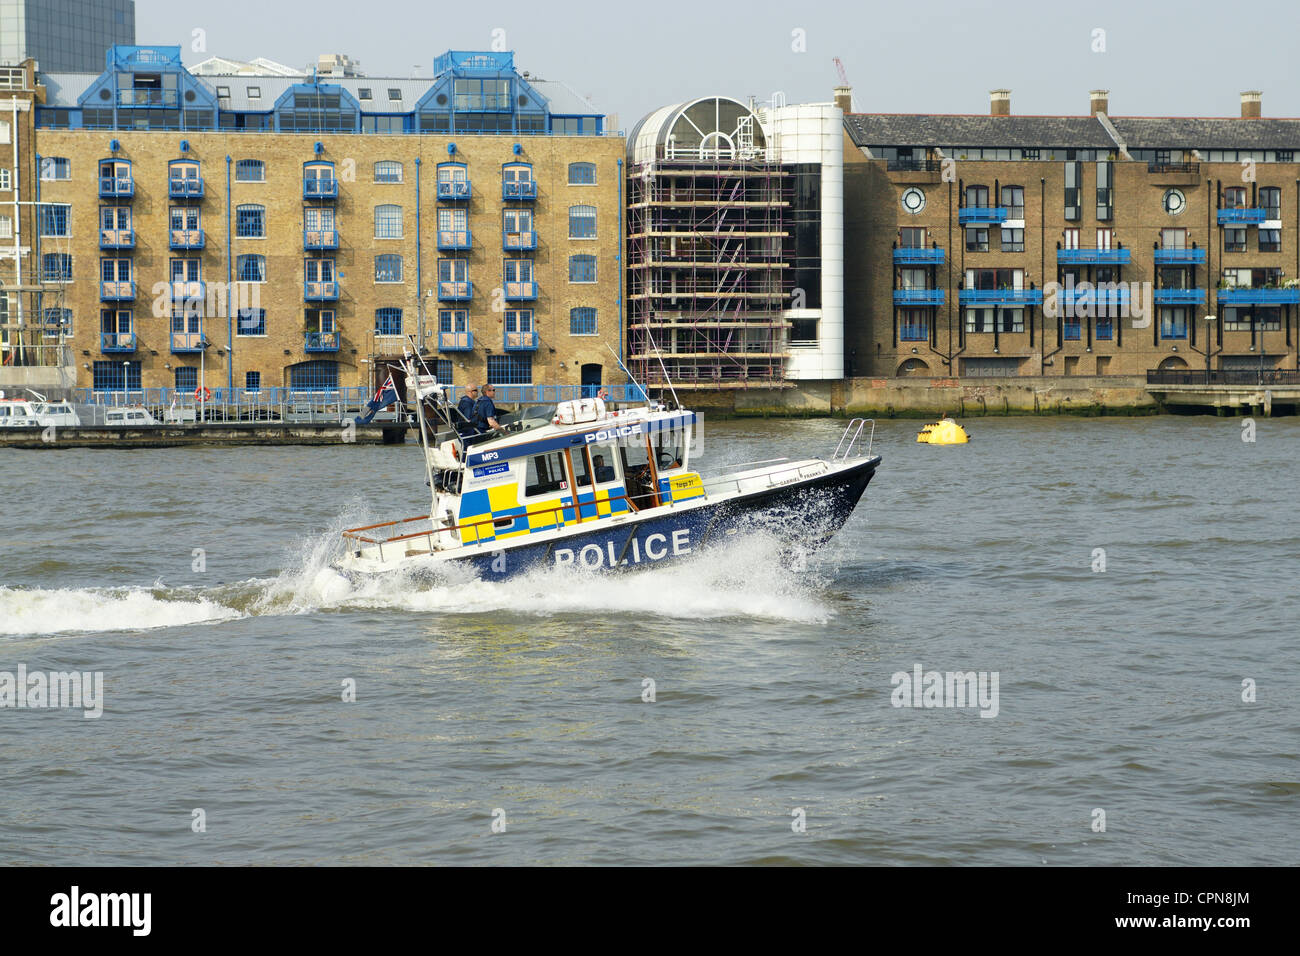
586	484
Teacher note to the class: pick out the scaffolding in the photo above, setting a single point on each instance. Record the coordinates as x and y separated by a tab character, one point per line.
708	270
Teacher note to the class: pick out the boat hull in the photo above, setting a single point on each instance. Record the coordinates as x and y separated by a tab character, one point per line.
803	513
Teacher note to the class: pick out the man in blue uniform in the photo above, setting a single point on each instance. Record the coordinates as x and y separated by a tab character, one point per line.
485	412
465	408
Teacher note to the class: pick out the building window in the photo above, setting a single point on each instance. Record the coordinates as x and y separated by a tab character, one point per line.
1270	198
1013	240
582	268
115	376
1013	199
1071	329
1073	190
363	93
1070	239
453	320
115	322
977	196
394	93
388	268
1234	240
1105	191
1173	238
187	378
250	222
512	369
442	371
5	184
911	237
55	167
913	325
388	171
1105	328
250	171
57	321
1011	320
320	376
979	320
252	381
1234	197
977	239
251	322
56	267
582	174
388	222
6	230
251	268
54	220
582	222
388	321
582	321
519	320
1173	323
1270	240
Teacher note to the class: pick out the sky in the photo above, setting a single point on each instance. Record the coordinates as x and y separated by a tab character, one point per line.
1157	58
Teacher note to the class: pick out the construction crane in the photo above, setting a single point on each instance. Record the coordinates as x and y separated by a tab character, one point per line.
844	80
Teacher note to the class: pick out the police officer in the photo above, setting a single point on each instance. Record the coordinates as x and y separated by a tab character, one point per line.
485	411
465	410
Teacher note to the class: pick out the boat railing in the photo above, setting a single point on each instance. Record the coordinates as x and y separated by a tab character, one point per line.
775	477
853	437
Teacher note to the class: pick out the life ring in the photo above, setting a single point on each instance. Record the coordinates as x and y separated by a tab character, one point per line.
203	395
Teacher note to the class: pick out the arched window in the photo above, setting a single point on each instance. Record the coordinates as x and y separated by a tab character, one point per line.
582	268
582	222
250	221
388	268
388	222
251	268
316	376
250	171
582	174
388	171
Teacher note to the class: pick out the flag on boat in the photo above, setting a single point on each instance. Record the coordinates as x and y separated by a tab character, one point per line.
386	395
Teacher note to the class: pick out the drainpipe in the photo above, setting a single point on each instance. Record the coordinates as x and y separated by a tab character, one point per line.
618	257
230	307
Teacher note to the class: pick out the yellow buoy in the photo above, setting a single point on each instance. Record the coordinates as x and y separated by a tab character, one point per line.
943	432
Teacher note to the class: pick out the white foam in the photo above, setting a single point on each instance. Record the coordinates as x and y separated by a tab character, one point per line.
69	610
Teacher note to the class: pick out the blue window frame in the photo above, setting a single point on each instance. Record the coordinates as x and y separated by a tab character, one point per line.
1173	323
251	322
54	220
1072	330
582	268
388	171
252	381
317	376
251	268
582	321
388	321
442	369
58	320
582	174
187	378
582	222
56	167
453	320
512	369
115	376
56	267
250	222
388	268
388	221
1105	329
250	171
913	328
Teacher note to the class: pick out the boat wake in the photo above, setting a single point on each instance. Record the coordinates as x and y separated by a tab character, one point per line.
753	576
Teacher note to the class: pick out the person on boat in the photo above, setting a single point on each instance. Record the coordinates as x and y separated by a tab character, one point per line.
465	412
603	471
485	412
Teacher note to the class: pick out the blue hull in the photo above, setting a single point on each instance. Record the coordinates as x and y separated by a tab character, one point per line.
816	509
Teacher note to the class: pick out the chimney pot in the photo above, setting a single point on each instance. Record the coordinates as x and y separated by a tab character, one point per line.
999	102
1099	101
844	99
1252	104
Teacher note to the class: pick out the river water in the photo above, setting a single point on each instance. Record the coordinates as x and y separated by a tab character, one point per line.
508	722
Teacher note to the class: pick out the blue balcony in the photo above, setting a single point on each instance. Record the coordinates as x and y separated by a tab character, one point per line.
186	239
454	190
1083	257
188	290
455	239
321	291
185	187
117	341
314	187
116	187
321	342
981	214
521	291
519	241
520	342
1179	296
1000	297
1259	296
123	291
313	239
185	343
918	297
1093	296
919	257
455	291
1180	257
117	238
455	341
1241	216
526	190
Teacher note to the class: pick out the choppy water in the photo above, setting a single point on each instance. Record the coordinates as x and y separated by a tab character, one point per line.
1118	690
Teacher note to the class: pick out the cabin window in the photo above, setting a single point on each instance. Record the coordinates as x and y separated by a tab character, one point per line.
545	475
604	463
670	449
